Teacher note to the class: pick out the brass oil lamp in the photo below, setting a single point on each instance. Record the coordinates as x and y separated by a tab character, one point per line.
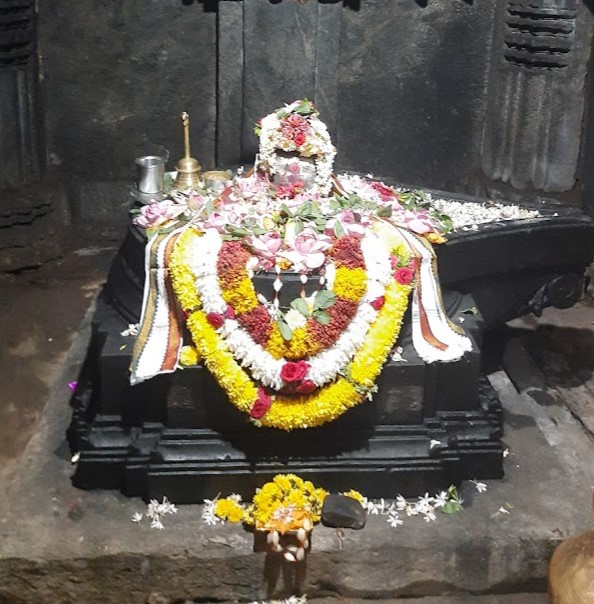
188	168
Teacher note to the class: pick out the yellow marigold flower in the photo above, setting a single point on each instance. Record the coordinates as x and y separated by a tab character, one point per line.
350	283
354	495
181	277
435	238
242	297
189	356
228	509
298	347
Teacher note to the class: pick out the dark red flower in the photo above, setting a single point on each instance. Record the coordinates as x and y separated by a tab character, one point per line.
378	302
293	372
215	319
299	138
306	387
258	324
404	275
261	405
346	251
383	190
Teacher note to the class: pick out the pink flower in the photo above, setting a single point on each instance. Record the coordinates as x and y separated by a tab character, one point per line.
229	313
158	213
261	405
306	387
250	186
215	319
418	222
404	275
306	250
349	223
294	372
265	247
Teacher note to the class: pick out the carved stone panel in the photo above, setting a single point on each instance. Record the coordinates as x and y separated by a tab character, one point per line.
21	154
536	101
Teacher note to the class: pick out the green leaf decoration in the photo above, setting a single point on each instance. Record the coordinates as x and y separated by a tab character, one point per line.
473	310
209	208
284	329
324	299
301	305
384	211
338	229
451	507
322	317
298	227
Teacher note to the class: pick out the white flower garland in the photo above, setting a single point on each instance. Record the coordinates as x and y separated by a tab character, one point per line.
323	367
318	145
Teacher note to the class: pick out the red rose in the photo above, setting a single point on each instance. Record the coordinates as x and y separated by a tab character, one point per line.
383	190
229	313
378	302
215	319
261	405
293	372
306	387
299	138
404	275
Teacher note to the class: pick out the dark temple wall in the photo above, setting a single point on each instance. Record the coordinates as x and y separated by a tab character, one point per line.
117	74
477	97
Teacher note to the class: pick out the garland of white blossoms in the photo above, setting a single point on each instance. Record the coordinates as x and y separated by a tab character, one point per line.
318	145
324	367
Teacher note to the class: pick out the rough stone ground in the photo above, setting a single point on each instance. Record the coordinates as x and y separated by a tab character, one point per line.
59	544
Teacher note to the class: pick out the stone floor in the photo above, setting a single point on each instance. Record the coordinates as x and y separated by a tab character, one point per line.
58	544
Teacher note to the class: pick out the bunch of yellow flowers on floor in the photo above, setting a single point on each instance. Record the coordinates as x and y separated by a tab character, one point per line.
286	503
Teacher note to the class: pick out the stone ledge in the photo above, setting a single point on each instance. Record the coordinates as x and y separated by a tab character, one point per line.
60	544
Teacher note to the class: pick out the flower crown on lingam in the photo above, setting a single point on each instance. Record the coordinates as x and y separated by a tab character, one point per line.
343	255
296	131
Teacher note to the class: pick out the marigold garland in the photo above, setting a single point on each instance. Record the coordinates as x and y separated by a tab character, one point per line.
328	403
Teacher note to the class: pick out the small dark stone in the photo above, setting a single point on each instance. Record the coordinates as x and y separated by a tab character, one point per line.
343	512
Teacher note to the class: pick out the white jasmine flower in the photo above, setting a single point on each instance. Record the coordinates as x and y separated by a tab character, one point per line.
461	319
75	457
503	510
429	516
506	453
481	487
132	330
397	355
440	500
157	524
394	519
137	517
434	443
295	319
208	516
401	503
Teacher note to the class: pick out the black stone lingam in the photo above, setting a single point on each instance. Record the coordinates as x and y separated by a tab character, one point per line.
427	427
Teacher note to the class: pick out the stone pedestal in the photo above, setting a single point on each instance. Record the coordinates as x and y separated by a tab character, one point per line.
428	426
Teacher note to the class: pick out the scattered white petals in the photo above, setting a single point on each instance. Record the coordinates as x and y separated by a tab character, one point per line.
132	330
157	524
394	519
481	487
503	510
155	510
461	319
137	517
397	355
506	453
208	515
75	457
434	443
